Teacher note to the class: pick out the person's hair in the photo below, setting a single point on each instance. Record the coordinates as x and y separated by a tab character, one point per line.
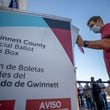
95	18
92	78
100	80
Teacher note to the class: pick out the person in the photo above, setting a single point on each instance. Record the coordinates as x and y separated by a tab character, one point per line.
78	94
97	25
107	89
88	96
102	95
81	94
95	94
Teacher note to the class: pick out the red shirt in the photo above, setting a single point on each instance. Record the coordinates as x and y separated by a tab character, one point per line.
105	33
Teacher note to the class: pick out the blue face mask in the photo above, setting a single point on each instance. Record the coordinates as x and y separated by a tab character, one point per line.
95	29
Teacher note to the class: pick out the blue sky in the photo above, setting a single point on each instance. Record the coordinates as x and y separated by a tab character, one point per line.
79	11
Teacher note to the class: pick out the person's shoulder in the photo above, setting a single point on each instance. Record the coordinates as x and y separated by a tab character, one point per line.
80	86
105	31
106	26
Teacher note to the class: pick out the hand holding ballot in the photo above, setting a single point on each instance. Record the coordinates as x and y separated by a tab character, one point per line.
80	43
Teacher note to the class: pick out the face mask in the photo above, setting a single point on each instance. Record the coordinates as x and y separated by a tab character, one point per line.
95	29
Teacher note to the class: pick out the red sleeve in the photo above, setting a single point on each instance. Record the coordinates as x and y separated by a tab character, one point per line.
106	31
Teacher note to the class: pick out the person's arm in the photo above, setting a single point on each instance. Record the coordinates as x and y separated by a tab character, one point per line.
97	44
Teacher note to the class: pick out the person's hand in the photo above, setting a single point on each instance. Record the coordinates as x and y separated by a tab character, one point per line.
80	41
